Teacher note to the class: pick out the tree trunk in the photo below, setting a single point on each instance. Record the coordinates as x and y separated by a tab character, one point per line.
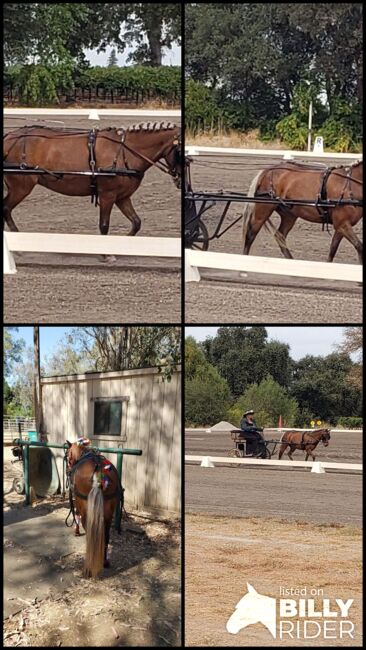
154	38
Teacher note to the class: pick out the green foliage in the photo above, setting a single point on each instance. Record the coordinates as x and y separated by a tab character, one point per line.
243	356
320	385
350	423
206	397
40	84
260	65
201	110
269	400
13	350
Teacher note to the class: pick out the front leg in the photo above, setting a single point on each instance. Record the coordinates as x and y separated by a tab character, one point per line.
126	207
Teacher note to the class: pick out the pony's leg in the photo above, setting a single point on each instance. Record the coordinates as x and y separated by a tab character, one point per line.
282	450
346	231
336	240
106	200
257	217
15	195
77	520
106	560
287	223
289	453
126	207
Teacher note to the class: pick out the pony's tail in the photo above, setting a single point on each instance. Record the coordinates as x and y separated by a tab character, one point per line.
95	534
250	207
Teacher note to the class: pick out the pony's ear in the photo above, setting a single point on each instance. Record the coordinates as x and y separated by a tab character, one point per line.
68	444
251	589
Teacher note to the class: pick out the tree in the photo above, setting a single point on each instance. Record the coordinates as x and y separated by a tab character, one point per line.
243	356
353	344
118	348
21	393
194	358
321	388
13	350
206	397
112	59
269	400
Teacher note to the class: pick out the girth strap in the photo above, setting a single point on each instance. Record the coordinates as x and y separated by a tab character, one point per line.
92	137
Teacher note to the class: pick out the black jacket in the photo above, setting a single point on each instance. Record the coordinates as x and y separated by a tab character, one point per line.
249	427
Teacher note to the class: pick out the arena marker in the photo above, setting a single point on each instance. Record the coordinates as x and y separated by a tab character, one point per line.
317	468
207	462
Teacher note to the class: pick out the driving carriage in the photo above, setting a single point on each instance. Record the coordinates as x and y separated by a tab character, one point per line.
250	445
314	192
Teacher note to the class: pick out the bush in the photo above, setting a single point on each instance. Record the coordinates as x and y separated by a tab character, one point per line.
269	400
201	110
349	423
206	397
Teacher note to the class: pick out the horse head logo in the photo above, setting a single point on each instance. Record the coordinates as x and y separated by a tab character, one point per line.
253	608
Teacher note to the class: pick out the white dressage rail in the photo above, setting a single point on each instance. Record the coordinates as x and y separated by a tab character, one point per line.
192	150
268	265
279	430
273	463
34	242
117	112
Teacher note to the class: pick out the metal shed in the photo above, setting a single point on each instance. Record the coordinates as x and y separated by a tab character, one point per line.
127	409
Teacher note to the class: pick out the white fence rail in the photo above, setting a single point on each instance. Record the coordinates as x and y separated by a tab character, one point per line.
313	466
192	150
117	112
87	245
268	265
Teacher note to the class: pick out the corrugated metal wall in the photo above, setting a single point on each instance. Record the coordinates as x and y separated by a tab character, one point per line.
151	421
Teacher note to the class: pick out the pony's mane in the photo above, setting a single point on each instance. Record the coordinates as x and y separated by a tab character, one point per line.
152	126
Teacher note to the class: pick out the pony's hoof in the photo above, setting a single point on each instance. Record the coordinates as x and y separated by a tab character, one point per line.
77	533
108	259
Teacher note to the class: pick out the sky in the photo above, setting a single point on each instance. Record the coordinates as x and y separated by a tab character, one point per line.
170	57
318	341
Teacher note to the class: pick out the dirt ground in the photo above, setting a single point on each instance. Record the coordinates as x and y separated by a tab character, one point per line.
137	602
245	490
224	297
222	554
59	288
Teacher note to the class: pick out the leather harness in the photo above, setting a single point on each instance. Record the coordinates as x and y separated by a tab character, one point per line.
89	455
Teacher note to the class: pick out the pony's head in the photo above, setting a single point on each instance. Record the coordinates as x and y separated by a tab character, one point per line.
325	437
174	159
76	450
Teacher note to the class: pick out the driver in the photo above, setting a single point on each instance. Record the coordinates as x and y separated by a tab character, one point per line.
251	432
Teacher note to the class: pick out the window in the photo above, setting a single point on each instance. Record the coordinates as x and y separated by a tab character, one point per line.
107	417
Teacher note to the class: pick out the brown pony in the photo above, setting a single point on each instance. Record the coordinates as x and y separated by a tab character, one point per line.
307	440
95	502
136	149
300	181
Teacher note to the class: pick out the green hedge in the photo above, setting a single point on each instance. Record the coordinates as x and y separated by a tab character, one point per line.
38	84
350	423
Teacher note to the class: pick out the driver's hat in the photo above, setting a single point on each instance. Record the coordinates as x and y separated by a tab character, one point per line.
250	412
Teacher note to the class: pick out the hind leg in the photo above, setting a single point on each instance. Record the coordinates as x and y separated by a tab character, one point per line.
336	240
18	189
287	223
126	207
106	559
259	215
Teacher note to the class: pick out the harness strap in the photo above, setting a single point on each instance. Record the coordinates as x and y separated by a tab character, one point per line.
92	137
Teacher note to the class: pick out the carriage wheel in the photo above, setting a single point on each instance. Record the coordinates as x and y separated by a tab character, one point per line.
234	453
201	240
19	485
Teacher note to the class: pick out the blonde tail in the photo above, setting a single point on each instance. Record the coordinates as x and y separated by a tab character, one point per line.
95	535
250	207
